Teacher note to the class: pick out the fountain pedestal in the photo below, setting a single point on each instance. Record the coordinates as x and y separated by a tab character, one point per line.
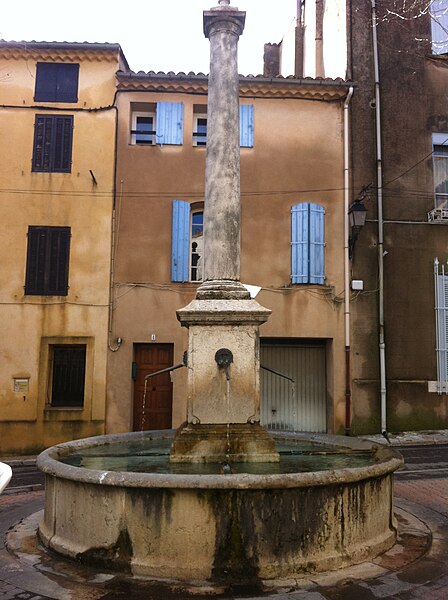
223	404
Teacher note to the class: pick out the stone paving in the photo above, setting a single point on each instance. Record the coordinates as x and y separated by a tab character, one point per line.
415	569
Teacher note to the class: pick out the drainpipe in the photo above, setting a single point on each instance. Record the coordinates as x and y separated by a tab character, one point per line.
347	264
117	345
379	169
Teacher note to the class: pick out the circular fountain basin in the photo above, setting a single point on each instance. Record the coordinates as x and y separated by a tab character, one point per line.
116	501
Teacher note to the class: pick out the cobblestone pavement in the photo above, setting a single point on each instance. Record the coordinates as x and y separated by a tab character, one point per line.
415	569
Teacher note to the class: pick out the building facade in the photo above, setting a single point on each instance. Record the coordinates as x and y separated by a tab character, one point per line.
291	138
57	183
399	147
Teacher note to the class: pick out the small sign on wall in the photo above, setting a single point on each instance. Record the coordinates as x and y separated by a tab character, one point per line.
21	384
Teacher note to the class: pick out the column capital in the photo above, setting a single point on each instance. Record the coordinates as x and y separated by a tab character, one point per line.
224	18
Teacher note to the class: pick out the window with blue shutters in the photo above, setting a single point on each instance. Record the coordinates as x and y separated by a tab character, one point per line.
439	26
160	123
169	123
246	125
180	251
307	243
187	241
441	297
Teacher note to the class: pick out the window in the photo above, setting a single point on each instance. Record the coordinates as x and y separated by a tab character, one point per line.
199	130
47	261
68	369
52	151
160	123
440	169
441	291
56	82
307	243
199	124
143	131
246	125
439	26
187	241
197	245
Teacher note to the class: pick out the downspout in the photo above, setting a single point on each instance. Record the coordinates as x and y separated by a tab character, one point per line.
379	175
347	264
113	348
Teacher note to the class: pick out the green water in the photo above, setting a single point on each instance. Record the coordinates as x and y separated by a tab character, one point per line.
151	456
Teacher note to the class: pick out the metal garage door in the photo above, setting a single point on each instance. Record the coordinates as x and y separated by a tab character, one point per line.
300	404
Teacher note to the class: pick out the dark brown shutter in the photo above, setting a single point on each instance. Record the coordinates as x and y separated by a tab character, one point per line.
35	265
47	261
56	82
63	144
59	249
43	131
53	137
67	83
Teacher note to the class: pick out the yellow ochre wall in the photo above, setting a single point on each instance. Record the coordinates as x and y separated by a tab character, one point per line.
30	323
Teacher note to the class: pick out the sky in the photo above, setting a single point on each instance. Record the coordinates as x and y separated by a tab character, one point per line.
155	35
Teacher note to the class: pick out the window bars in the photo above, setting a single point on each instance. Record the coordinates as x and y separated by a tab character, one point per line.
441	309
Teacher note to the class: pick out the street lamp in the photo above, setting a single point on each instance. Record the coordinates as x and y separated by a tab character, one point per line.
357	219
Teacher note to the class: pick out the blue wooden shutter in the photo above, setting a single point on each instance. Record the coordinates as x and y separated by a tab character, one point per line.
180	255
299	243
317	244
439	25
170	123
246	125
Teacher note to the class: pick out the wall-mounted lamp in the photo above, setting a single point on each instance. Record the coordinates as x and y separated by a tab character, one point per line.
357	219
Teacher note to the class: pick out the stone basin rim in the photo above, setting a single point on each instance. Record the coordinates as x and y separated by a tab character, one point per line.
48	462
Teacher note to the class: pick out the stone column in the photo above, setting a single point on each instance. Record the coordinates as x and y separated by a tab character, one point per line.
222	212
223	398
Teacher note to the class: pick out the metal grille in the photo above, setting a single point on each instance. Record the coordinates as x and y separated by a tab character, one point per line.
441	296
298	405
68	380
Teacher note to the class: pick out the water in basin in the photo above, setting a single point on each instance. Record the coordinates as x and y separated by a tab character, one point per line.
151	456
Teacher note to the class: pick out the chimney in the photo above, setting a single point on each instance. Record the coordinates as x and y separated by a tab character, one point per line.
272	60
300	40
320	10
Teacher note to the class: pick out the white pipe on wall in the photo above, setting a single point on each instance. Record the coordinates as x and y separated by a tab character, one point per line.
347	261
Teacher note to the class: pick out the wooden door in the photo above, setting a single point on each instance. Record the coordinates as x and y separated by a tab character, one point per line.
155	410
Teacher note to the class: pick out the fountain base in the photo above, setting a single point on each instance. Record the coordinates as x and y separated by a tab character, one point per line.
234	442
218	528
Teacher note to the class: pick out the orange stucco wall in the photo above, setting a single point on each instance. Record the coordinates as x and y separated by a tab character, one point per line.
297	157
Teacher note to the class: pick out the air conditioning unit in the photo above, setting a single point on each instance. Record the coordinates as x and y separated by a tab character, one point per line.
438	215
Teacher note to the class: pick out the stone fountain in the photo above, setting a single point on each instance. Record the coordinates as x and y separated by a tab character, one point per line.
223	415
244	517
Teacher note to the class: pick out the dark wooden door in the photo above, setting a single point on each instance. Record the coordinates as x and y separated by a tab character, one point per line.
155	410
